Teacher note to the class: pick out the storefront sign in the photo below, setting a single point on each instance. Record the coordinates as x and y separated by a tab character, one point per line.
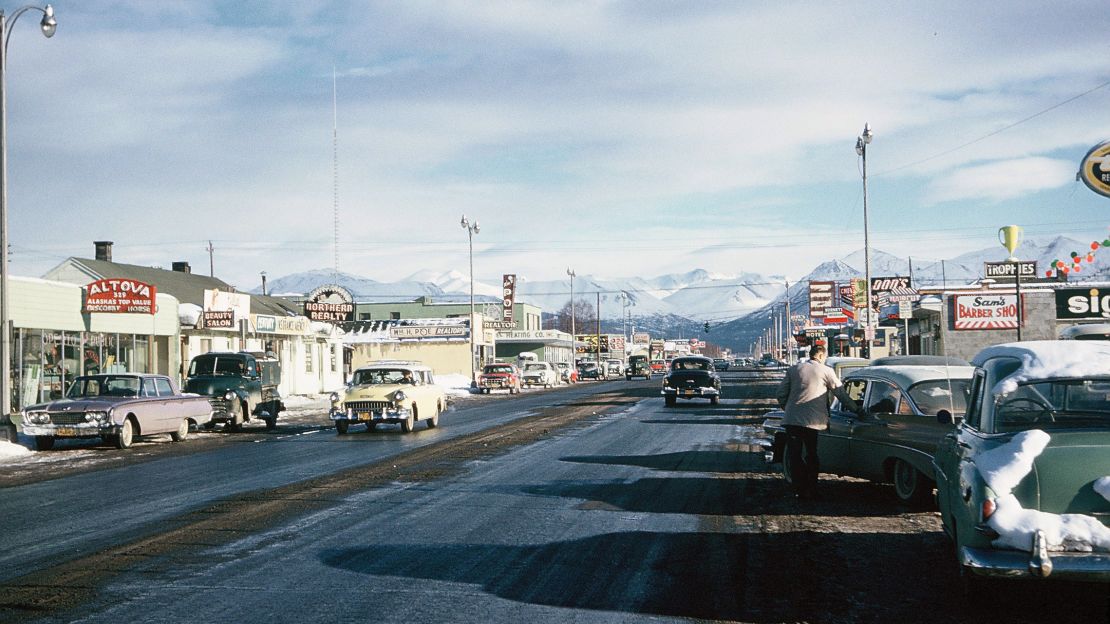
537	335
1007	269
987	311
499	324
265	324
1095	169
616	343
429	331
820	297
219	319
886	284
1076	304
508	296
641	338
905	309
330	303
120	296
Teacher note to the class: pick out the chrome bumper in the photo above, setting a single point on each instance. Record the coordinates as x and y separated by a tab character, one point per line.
390	414
691	392
1075	566
82	430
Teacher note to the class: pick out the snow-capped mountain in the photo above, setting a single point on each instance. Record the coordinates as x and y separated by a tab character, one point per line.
362	288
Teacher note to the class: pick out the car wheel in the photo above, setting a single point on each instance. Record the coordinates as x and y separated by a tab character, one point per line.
126	434
370	426
341	427
433	422
44	443
182	431
910	486
669	401
235	422
715	400
271	423
408	424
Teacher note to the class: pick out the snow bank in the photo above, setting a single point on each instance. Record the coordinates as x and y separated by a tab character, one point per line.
1003	468
189	314
454	385
7	450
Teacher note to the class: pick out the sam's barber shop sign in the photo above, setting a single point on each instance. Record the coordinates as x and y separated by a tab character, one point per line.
120	296
330	303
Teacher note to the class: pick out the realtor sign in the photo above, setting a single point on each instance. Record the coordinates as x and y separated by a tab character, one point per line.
984	311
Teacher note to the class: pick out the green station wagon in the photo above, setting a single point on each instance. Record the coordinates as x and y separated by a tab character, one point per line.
1023	482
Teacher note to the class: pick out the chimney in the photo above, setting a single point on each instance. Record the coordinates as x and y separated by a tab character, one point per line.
103	250
182	267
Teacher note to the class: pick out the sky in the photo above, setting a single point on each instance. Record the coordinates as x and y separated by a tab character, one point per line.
619	139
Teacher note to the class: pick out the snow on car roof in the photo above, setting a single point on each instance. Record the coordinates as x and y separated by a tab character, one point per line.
1048	359
906	376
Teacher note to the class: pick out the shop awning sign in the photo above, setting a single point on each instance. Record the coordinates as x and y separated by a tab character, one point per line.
120	296
1094	170
986	311
429	331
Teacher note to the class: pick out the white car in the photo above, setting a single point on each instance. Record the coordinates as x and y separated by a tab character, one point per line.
614	368
539	374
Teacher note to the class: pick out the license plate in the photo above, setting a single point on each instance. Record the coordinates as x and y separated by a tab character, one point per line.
690	392
65	431
364	416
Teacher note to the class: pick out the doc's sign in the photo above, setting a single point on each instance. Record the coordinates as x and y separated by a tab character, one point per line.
120	296
1095	169
1076	304
985	311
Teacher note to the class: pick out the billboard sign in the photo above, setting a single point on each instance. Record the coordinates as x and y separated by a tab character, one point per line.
1094	170
641	338
1077	304
1007	269
330	303
120	296
820	297
428	331
508	296
986	311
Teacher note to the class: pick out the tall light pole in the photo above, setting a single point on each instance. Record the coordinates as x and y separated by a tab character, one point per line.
471	230
862	141
48	26
571	273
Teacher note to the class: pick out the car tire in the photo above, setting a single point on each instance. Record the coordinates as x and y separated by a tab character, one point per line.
715	400
182	431
910	486
370	426
235	422
433	422
126	434
44	443
408	424
271	423
669	401
341	427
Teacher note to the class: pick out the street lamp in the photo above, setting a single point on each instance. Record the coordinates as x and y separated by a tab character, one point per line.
571	273
48	26
471	230
862	141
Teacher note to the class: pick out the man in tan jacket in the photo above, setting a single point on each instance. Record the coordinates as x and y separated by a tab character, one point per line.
803	394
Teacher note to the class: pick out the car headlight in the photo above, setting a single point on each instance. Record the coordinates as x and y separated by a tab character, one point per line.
37	418
398	396
334	397
229	395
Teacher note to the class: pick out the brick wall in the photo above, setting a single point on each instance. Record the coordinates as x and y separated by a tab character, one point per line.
1039	324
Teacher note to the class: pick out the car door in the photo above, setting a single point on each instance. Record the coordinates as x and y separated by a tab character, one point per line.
871	435
954	451
152	419
832	449
171	406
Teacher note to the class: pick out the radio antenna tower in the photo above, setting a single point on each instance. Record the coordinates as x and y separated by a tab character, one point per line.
335	173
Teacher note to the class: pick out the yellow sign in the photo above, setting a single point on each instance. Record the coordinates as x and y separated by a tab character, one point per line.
1095	169
1010	237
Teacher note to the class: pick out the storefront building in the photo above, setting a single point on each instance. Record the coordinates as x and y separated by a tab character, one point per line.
60	332
443	344
549	345
525	315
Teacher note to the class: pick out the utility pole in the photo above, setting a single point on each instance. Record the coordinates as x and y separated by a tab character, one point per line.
789	326
599	328
211	262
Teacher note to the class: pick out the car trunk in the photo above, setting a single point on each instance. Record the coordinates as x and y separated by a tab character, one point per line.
1063	475
690	379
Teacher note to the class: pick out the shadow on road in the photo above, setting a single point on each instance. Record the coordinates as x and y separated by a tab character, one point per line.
686	461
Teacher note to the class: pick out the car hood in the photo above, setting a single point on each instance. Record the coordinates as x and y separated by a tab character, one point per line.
211	386
100	404
496	375
1063	475
376	391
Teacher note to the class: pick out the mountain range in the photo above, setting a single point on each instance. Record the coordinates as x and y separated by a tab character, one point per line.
738	306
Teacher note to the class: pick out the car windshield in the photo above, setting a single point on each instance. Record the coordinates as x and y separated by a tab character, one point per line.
937	394
1054	404
379	376
499	369
107	385
204	366
535	367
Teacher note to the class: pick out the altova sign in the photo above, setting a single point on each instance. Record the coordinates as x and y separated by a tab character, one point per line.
1095	169
330	303
120	295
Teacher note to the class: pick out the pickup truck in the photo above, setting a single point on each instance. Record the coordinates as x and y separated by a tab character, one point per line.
241	386
116	408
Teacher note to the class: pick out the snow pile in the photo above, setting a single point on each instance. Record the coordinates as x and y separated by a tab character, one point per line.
1045	359
7	450
189	314
301	401
454	385
1003	468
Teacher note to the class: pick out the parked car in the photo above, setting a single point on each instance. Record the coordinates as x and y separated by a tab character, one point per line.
895	442
539	374
117	408
614	367
720	364
242	386
389	392
1022	481
658	367
590	370
499	376
567	373
691	377
637	367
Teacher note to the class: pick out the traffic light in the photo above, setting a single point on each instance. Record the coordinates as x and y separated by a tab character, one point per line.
707	327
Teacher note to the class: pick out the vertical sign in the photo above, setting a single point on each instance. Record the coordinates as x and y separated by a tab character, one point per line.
820	297
508	295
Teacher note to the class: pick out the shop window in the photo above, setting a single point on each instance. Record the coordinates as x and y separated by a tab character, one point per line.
396	316
334	352
29	367
308	358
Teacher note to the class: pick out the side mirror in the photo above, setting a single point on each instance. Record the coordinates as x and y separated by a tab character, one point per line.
944	417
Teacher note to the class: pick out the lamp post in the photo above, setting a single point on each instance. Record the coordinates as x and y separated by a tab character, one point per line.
471	230
48	26
862	141
571	273
263	274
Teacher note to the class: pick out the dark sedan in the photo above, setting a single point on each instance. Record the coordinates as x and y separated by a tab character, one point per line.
691	377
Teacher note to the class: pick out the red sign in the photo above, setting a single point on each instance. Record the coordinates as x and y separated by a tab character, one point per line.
986	311
120	296
508	296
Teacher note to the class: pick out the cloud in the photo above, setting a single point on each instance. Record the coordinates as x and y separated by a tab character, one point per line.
1002	180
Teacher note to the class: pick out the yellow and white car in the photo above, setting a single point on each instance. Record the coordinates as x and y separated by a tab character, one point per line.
389	392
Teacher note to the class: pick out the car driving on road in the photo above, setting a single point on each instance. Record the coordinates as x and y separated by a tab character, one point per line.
691	377
389	392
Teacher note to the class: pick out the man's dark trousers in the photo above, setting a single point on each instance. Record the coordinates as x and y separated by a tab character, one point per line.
804	468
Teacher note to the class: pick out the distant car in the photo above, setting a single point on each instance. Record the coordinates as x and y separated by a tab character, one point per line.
637	367
499	376
1023	481
614	367
539	374
895	442
394	392
567	373
720	364
658	367
691	377
590	370
117	408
